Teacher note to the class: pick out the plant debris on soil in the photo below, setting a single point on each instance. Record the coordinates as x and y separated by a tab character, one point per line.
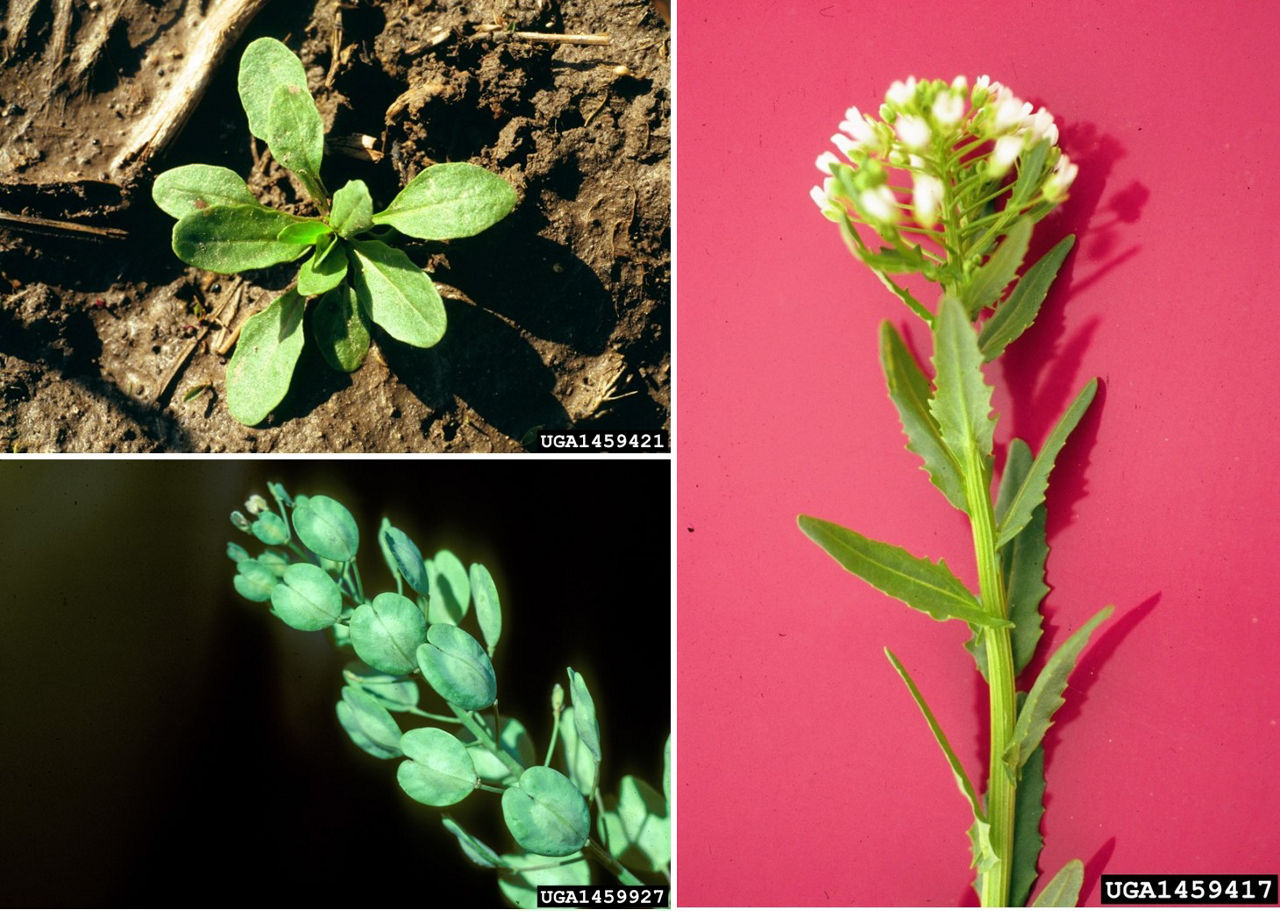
559	315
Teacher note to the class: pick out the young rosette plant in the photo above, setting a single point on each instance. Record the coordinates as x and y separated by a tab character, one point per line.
356	277
411	649
947	184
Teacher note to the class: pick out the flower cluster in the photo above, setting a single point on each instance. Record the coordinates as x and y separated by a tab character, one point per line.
941	175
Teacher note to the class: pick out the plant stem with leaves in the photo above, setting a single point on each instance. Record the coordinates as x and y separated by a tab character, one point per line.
947	184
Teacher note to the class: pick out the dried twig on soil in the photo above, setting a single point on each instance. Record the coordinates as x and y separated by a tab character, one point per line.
493	30
216	35
56	226
171	375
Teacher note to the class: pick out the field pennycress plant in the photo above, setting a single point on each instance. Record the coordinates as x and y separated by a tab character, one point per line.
947	184
358	278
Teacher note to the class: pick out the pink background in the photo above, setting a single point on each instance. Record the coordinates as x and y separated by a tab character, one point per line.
806	775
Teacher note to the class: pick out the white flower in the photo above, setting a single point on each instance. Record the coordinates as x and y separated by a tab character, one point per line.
1011	112
900	93
856	126
1005	153
926	197
879	203
826	161
1043	127
913	131
844	144
948	108
1060	179
821	197
960	84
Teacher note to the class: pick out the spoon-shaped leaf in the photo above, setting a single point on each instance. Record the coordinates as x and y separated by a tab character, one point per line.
449	200
352	211
229	239
396	294
265	66
261	368
192	187
340	329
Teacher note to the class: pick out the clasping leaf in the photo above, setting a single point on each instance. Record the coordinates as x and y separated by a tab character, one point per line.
1045	698
1063	891
926	586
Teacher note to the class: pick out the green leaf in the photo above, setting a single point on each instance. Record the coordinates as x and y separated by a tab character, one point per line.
962	400
476	851
449	200
1027	841
229	239
449	592
582	766
368	724
584	714
1020	309
957	770
636	826
326	528
261	368
1063	891
1036	715
514	741
387	631
308	232
1022	561
457	667
394	692
403	556
545	813
325	270
396	294
295	135
924	585
1030	169
352	210
488	607
307	598
190	188
340	329
909	391
985	286
438	771
254	580
526	872
1023	500
265	66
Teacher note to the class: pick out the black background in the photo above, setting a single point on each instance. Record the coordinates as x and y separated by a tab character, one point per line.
164	742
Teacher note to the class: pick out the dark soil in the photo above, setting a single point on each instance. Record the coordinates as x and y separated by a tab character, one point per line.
559	316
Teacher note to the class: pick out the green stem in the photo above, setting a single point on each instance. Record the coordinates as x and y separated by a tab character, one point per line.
625	876
482	736
1001	785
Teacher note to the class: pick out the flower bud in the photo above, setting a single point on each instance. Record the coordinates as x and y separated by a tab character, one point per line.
239	521
255	504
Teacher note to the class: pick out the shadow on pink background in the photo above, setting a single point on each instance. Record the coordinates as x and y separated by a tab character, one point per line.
806	775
